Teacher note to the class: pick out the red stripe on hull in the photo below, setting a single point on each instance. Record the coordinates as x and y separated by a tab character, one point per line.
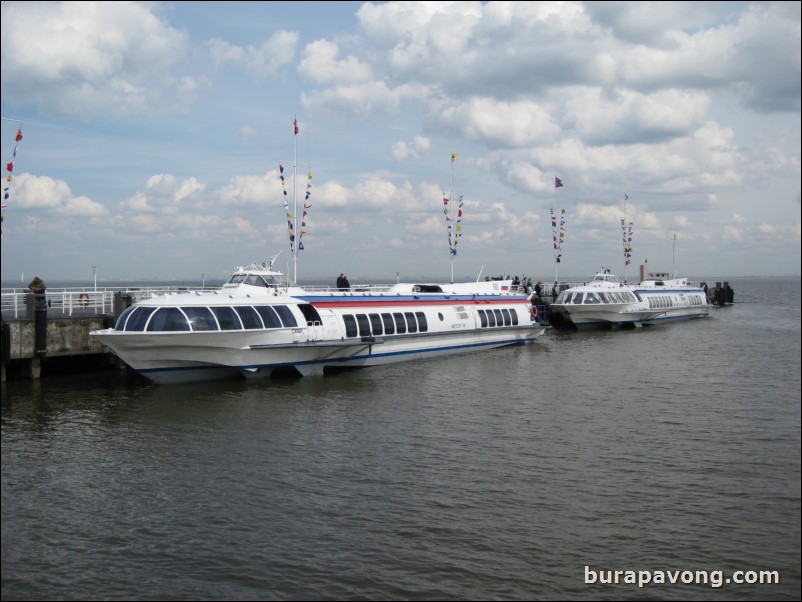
418	303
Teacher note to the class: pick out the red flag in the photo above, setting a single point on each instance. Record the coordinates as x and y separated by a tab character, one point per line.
10	166
19	136
295	123
557	182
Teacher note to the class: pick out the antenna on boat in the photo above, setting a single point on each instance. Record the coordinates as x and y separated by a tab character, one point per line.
480	273
272	259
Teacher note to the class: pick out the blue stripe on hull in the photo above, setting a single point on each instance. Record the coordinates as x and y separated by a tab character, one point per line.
432	350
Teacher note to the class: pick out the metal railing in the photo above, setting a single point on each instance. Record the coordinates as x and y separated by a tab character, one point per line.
77	302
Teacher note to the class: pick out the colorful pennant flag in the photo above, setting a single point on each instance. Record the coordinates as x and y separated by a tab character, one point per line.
291	226
558	236
9	177
558	183
626	232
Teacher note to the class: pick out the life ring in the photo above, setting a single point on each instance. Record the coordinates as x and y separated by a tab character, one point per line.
83	299
534	312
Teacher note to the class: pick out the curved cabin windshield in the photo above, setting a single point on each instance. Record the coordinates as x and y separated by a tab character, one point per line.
265	280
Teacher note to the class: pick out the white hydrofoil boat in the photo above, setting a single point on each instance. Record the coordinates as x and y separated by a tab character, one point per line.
608	302
255	324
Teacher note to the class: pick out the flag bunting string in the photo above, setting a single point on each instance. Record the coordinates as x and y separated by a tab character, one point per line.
9	177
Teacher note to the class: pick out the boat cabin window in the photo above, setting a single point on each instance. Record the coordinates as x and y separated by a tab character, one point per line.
138	319
269	316
427	288
423	325
376	324
412	325
168	319
265	280
389	325
364	325
400	323
483	318
254	280
250	319
591	299
350	325
120	325
287	317
491	318
227	318
200	318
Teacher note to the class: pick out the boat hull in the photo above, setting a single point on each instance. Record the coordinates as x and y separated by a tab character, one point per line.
594	320
578	317
194	357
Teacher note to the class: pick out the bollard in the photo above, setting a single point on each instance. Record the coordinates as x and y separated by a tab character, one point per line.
40	324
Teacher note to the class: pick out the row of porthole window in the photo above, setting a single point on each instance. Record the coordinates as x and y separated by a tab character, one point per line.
595	298
489	318
201	318
365	325
660	302
657	302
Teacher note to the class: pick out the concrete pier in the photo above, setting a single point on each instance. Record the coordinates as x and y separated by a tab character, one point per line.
36	337
64	337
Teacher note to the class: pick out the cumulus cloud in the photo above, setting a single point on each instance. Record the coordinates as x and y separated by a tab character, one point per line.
321	64
627	116
259	61
250	190
45	193
419	147
358	100
496	123
75	58
163	194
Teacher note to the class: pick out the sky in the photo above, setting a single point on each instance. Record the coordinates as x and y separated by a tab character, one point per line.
152	134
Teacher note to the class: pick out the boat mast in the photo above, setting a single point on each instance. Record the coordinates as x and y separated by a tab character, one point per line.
673	250
454	225
295	205
558	241
451	209
627	236
295	244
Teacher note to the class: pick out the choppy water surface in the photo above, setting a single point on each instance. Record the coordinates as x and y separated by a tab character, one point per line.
496	476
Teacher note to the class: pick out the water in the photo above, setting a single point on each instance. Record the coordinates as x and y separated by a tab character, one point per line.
497	476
